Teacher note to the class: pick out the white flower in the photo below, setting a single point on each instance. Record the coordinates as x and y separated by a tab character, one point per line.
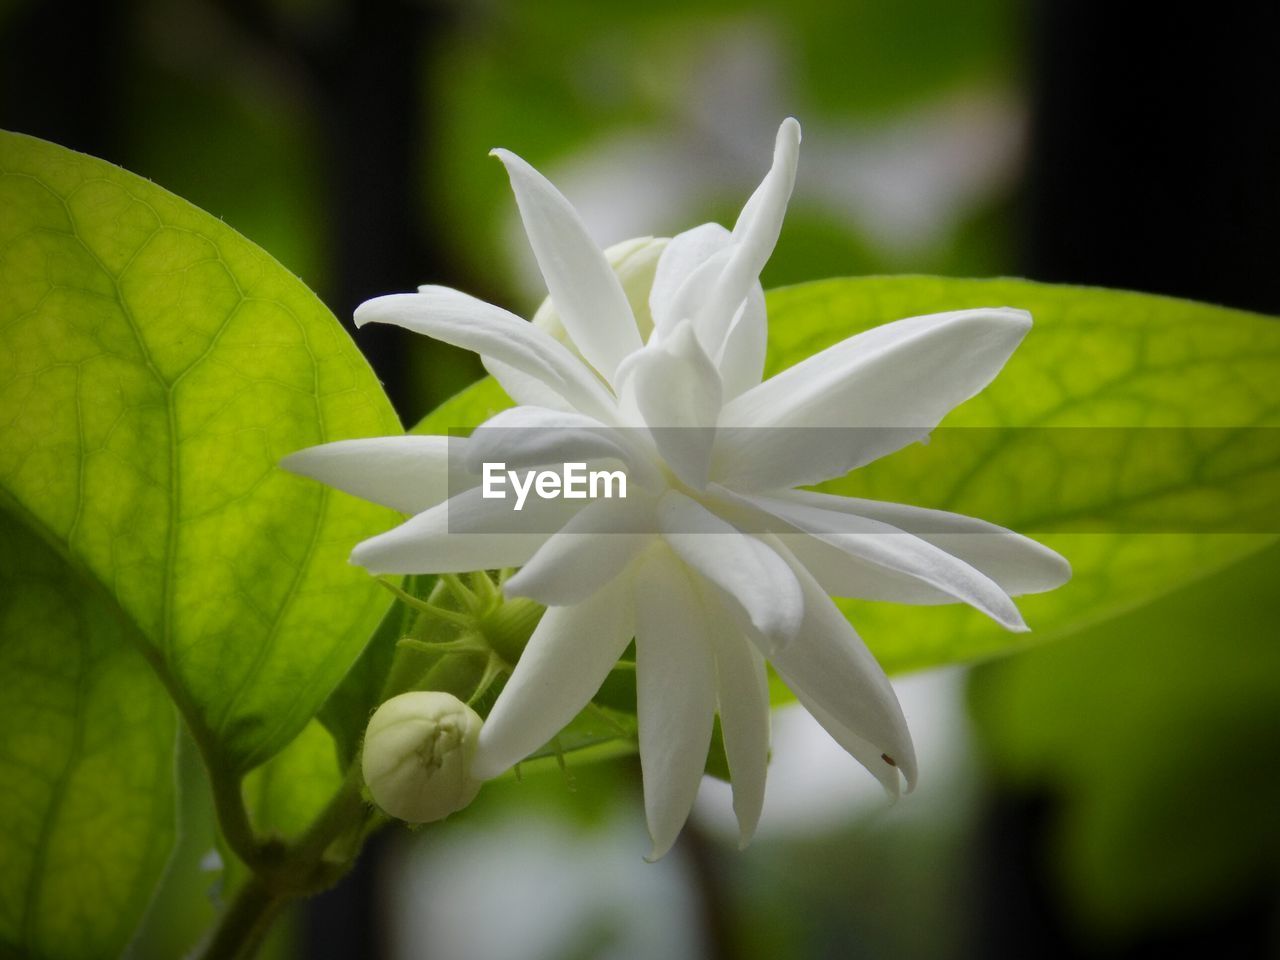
713	562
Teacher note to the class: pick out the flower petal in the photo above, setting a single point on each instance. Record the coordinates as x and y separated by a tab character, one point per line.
887	386
900	553
675	694
635	261
1018	564
466	532
676	390
759	586
671	298
832	672
742	694
567	658
453	317
406	473
585	290
741	359
530	436
754	235
589	551
524	388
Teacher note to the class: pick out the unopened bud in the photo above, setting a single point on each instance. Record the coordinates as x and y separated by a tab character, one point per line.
417	756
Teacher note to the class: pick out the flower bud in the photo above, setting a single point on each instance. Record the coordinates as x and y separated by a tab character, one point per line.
417	756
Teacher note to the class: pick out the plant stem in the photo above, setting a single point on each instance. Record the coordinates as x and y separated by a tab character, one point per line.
245	924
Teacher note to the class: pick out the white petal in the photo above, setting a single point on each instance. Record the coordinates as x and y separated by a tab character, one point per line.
741	360
589	551
676	390
583	287
675	694
669	300
635	262
758	584
864	751
842	574
408	473
743	698
755	233
687	274
567	658
833	673
495	334
523	388
528	436
1018	564
887	387
466	532
900	553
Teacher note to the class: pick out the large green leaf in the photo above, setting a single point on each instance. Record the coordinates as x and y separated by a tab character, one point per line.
154	368
86	758
1094	359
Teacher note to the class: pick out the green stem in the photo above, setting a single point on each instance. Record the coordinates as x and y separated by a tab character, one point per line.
233	818
345	810
245	923
318	858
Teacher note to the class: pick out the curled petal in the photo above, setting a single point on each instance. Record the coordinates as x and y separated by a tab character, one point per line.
495	334
754	235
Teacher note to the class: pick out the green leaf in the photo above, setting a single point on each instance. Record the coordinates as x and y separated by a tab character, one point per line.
285	794
87	738
1095	358
347	711
1155	733
154	368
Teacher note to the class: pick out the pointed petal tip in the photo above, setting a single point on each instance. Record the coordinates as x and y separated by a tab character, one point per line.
1013	620
371	311
1016	317
296	462
658	850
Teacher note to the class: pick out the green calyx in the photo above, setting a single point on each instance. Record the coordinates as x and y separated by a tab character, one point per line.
467	635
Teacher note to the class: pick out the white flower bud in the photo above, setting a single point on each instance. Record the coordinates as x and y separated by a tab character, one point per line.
417	756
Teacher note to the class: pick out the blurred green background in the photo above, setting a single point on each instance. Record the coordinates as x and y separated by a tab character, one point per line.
1114	794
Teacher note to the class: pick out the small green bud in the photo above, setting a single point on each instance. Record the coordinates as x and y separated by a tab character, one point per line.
417	756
